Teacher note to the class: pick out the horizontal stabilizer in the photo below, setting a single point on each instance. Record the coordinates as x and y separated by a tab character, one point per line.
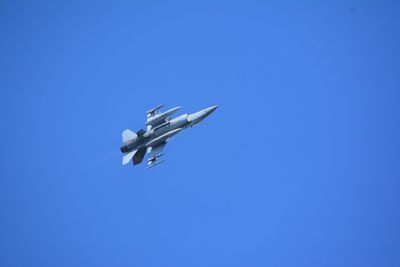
128	157
128	135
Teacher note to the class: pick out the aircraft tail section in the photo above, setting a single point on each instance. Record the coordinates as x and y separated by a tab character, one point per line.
128	157
128	135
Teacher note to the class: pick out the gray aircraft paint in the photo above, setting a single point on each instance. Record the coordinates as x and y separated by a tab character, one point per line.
160	128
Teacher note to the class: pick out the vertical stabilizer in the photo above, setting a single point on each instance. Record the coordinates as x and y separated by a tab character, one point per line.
128	157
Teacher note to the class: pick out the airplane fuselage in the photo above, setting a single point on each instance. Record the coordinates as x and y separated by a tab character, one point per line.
140	142
160	128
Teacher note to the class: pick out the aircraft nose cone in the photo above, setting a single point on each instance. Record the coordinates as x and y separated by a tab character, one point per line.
211	109
197	117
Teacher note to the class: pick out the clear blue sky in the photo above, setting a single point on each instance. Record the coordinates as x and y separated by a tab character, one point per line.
299	166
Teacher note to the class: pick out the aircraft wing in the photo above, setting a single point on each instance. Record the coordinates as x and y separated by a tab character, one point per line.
155	154
156	119
153	112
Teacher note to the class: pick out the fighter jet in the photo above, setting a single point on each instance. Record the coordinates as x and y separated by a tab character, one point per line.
160	129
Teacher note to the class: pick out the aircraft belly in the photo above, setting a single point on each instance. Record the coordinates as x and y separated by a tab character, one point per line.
163	137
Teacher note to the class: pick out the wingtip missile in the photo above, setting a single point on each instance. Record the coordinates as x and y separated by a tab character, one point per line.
162	116
155	163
